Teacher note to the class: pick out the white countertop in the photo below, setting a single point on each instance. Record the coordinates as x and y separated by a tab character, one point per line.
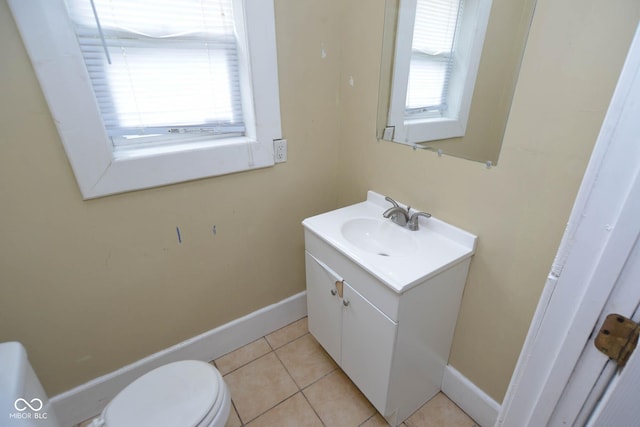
440	245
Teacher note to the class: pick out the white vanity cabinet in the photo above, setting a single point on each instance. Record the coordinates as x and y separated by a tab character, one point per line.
356	334
387	321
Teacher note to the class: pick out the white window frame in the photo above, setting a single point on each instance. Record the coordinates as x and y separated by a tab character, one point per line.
469	42
51	43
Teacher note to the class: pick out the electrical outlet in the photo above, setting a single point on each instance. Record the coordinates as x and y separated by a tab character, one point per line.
280	150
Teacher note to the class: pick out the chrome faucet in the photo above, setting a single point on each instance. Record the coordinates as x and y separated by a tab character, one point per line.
401	216
413	222
397	213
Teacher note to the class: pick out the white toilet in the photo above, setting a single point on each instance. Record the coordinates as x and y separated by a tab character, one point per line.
188	393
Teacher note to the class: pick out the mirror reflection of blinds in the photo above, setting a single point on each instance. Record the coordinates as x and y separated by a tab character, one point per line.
432	50
174	66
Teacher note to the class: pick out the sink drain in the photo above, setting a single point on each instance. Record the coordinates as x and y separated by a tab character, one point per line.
383	254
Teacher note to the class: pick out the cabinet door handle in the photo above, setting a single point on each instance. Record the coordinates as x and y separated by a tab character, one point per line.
333	292
340	287
345	302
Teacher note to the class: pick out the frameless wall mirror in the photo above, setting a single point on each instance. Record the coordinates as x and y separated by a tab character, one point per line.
449	70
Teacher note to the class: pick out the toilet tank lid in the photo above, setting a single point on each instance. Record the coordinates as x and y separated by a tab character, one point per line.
13	365
179	394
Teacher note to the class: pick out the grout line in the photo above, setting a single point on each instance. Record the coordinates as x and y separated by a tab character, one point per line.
324	376
304	396
282	401
288	342
267	410
273	350
245	364
268	343
374	414
300	389
233	407
287	370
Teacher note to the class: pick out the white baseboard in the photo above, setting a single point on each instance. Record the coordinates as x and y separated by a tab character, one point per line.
475	402
89	399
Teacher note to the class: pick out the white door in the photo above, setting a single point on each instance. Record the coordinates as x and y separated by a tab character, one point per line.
559	376
594	372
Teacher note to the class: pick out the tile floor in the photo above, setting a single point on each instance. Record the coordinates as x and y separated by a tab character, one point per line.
286	379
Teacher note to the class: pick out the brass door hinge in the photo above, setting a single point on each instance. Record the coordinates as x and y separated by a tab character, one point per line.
618	337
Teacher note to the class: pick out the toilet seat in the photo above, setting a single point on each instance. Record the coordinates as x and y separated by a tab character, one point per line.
188	393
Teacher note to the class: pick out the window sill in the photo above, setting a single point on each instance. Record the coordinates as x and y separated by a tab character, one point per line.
132	170
133	152
432	129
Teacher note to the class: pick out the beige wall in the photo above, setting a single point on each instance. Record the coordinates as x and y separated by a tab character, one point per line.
91	286
519	208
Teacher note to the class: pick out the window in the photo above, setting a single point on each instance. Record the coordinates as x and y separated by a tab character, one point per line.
438	47
156	92
160	69
431	59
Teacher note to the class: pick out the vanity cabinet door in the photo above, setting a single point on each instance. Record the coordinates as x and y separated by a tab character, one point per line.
324	306
368	343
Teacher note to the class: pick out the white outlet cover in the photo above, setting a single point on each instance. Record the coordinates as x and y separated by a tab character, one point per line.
280	150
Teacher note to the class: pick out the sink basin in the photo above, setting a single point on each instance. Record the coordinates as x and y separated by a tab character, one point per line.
398	257
380	237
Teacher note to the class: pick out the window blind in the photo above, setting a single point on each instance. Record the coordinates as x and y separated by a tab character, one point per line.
431	64
172	65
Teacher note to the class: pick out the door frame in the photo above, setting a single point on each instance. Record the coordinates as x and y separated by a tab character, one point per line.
601	231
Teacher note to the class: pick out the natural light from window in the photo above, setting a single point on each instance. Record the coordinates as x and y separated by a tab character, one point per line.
161	68
432	55
147	93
